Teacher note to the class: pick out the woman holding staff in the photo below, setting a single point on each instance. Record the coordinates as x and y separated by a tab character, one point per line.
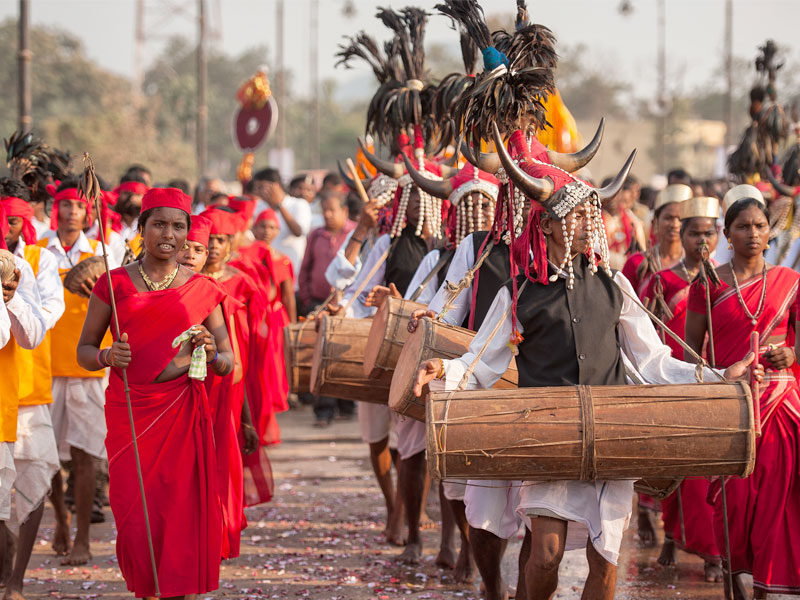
172	330
763	510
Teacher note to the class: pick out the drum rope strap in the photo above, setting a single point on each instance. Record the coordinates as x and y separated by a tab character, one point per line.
378	264
588	453
701	362
315	313
434	272
453	290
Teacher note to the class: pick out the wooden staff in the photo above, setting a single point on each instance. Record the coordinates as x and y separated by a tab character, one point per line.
754	348
357	180
90	189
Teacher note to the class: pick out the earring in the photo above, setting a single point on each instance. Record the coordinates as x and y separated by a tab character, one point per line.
730	245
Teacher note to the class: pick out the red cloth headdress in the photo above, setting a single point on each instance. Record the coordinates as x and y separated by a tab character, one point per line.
200	230
222	221
67	194
268	215
17	207
3	228
166	198
135	187
243	205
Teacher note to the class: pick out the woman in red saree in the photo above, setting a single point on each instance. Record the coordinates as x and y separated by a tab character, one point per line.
160	305
764	508
668	293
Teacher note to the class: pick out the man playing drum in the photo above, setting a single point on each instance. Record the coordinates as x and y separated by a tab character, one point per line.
576	325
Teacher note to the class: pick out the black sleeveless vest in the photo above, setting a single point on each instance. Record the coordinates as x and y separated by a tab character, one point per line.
405	257
494	272
570	336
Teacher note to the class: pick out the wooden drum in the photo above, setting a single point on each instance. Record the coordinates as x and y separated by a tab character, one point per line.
432	339
338	366
299	341
648	432
387	335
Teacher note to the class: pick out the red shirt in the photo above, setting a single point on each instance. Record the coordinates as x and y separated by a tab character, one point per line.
321	248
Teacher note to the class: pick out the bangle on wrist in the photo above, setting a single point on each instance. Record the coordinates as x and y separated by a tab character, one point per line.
248	426
100	358
213	360
440	374
357	241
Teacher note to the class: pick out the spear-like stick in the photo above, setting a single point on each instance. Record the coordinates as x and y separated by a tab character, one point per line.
89	187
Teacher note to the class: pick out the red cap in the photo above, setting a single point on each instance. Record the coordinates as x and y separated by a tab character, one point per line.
268	215
167	198
200	230
17	207
243	205
67	194
222	221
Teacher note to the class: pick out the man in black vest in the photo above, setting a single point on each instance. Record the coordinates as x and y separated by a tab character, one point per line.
575	325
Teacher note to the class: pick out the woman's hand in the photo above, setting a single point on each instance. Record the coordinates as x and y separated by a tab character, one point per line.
740	370
379	293
250	438
413	322
428	371
119	354
781	357
203	337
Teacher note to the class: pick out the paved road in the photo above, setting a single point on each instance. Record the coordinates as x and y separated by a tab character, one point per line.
321	538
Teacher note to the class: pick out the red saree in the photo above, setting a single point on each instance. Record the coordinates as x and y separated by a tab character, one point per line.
763	509
631	272
175	439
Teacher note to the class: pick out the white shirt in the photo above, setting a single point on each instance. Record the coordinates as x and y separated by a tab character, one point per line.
48	281
5	325
463	259
114	241
67	260
293	246
317	220
24	309
425	267
128	232
341	272
41	227
359	309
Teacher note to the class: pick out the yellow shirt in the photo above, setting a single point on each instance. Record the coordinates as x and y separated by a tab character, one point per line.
34	365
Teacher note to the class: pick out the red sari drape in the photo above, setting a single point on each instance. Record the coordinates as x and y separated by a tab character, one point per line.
697	535
631	272
763	509
176	444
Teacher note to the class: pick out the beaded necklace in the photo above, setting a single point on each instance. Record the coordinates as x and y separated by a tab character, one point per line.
753	317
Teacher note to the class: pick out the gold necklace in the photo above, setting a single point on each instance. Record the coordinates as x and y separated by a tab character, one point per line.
217	274
155	286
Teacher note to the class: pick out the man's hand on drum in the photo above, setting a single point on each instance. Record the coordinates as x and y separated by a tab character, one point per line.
379	293
741	369
780	357
10	286
413	322
428	371
119	354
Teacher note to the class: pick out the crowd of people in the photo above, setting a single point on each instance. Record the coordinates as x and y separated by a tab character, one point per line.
142	332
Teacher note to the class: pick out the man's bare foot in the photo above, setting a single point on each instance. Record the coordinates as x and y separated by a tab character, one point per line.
667	557
712	572
411	554
394	529
465	567
425	522
13	594
446	557
61	540
647	533
510	591
79	555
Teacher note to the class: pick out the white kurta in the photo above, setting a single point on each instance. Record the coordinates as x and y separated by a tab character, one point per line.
358	309
48	282
463	259
25	309
601	508
341	272
5	325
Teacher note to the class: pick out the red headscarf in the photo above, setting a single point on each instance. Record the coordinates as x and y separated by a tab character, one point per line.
167	198
222	221
3	228
17	207
268	215
135	187
67	194
200	230
243	205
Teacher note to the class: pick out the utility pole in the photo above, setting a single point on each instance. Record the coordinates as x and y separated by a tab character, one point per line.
281	95
138	58
314	71
729	71
25	56
202	110
661	69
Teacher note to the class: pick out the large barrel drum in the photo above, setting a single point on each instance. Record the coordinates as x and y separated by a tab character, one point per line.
645	432
299	341
387	335
337	369
432	339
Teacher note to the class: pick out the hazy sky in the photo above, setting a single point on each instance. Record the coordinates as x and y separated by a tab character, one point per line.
625	45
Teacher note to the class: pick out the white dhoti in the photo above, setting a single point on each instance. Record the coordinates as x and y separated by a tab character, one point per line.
78	413
7	476
454	489
35	459
412	437
375	422
600	510
492	505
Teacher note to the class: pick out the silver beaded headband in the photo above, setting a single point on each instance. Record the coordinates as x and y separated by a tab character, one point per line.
573	194
382	189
